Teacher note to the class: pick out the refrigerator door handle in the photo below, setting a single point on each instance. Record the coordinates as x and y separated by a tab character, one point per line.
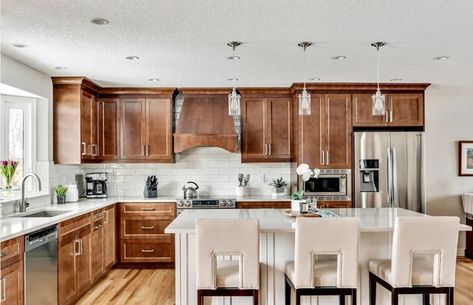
389	176
394	177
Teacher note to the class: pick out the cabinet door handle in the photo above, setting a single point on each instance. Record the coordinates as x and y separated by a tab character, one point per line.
328	157
265	149
147	228
3	283
80	247
105	216
76	247
84	148
269	149
147	149
323	157
147	251
98	227
94	149
147	209
143	150
391	116
386	116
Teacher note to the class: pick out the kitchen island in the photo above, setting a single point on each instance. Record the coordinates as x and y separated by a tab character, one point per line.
277	248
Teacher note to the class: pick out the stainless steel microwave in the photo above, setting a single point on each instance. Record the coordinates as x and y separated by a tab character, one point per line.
329	183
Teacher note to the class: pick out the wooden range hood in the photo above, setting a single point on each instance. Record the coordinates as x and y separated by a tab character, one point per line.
204	121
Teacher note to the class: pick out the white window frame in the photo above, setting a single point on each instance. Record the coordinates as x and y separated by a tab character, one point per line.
29	106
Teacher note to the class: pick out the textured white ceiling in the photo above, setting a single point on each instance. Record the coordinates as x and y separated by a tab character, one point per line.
184	42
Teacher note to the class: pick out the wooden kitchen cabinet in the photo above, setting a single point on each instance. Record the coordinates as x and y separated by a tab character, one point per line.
325	134
89	125
108	128
334	204
97	250
109	236
266	129
402	110
263	204
146	129
11	273
142	237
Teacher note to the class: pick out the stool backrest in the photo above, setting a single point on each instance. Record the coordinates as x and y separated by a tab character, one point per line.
233	237
436	236
327	236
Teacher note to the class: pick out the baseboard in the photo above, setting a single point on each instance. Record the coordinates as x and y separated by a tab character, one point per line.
460	252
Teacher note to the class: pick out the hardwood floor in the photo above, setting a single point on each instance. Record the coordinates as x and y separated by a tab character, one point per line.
156	287
132	287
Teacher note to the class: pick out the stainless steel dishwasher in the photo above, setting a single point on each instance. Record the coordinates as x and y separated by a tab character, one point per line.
41	267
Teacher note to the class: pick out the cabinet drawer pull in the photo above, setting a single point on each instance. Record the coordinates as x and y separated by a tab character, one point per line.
98	227
147	228
3	254
147	251
76	247
84	148
147	209
3	283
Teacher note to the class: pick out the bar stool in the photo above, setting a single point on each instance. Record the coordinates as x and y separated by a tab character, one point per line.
337	237
229	237
408	272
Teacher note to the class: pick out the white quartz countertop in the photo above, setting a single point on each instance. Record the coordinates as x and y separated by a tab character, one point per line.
274	220
13	226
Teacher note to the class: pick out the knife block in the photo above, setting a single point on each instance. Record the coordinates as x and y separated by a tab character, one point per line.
151	193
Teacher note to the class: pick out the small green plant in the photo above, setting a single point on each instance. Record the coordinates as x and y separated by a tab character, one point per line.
298	195
61	190
278	183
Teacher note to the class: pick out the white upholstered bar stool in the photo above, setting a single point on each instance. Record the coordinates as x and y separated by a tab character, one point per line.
227	237
423	259
337	237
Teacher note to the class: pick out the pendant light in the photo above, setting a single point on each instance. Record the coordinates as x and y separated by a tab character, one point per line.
378	99
234	97
305	103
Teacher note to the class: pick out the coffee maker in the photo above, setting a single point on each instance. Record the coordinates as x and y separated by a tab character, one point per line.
96	185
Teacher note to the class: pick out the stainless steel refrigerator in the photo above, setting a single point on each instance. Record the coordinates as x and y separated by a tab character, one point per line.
389	170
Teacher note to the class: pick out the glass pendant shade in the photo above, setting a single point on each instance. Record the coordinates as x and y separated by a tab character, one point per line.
234	103
305	103
378	103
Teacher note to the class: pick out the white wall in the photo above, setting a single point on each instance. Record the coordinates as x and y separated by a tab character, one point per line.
449	118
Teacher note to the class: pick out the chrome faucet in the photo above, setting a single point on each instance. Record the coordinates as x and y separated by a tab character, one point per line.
23	204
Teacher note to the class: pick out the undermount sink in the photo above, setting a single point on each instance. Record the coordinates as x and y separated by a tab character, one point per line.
42	214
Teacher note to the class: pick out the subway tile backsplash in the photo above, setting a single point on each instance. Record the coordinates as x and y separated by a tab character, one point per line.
213	169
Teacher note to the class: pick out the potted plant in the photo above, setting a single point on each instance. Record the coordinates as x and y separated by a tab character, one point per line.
61	191
297	201
279	187
8	168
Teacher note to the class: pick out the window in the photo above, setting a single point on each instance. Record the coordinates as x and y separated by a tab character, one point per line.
18	133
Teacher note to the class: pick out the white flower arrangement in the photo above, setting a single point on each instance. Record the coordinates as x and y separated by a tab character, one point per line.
305	172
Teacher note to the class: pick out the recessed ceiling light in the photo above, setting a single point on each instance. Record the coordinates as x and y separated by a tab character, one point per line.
396	79
314	79
99	21
132	57
441	58
340	57
233	79
235	57
19	45
60	68
153	80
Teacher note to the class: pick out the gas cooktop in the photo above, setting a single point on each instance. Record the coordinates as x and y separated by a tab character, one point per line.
206	203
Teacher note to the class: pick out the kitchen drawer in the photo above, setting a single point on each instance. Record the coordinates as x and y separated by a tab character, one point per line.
264	205
143	227
73	224
11	251
97	214
165	210
142	251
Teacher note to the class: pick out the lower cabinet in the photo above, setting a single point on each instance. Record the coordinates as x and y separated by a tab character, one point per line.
263	204
11	272
97	249
142	237
109	245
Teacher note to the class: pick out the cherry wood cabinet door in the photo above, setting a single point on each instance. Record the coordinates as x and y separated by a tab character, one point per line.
108	129
132	128
97	251
254	130
11	284
279	129
337	130
406	109
67	281
86	122
362	112
310	134
109	237
83	264
159	129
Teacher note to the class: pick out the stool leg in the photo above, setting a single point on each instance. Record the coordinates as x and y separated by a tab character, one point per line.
255	297
394	298
342	299
200	298
287	293
353	297
426	299
298	297
372	289
450	296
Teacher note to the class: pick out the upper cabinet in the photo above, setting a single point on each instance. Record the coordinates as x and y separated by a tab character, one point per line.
402	110
94	124
266	128
325	134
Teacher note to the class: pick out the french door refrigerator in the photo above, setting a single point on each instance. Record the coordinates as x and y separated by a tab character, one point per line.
389	170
